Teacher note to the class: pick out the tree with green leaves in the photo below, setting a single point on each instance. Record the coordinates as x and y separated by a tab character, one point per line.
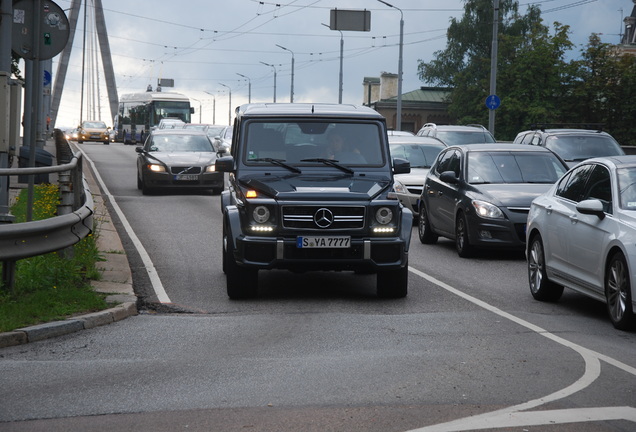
530	66
602	90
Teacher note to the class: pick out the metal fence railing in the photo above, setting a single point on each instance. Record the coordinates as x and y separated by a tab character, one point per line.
73	223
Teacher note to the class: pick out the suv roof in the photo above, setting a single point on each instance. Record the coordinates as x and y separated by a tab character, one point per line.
306	109
438	131
591	142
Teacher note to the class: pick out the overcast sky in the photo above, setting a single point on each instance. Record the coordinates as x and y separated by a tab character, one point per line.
202	44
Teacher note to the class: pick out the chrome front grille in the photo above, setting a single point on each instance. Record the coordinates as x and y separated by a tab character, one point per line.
323	217
185	170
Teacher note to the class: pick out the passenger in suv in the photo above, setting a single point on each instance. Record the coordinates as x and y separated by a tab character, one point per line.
457	135
573	145
290	206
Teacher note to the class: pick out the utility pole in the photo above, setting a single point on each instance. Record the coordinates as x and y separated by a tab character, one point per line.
249	87
274	67
493	67
291	93
398	115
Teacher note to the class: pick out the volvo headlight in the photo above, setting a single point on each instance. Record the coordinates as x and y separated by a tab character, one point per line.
487	210
210	168
156	168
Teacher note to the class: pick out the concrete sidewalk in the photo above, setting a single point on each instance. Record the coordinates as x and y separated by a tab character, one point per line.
116	277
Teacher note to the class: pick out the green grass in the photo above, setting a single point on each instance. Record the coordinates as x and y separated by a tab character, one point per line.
50	287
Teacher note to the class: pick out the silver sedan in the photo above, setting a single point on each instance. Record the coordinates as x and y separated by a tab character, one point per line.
581	235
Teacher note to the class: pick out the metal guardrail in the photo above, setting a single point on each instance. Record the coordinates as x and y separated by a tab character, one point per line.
74	222
27	239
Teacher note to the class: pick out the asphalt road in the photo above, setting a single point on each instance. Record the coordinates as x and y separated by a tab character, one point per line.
467	349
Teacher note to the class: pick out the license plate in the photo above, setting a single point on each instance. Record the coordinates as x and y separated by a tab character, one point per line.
323	242
186	177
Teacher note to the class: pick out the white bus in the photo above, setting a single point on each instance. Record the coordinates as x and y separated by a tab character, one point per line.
138	113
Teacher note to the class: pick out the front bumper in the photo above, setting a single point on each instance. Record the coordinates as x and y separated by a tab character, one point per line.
209	180
507	233
368	254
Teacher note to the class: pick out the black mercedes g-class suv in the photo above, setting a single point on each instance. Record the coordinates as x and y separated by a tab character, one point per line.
311	188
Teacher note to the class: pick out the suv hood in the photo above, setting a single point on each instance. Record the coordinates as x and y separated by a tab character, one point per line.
315	187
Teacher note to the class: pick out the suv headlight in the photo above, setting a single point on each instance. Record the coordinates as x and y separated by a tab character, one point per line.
384	220
264	221
261	214
487	210
384	215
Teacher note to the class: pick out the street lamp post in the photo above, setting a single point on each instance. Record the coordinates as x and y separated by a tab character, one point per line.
274	67
398	123
249	87
291	95
213	106
341	55
229	113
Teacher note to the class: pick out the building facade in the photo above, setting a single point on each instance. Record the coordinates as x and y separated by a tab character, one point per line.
421	106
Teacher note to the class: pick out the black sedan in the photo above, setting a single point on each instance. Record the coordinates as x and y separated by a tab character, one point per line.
177	158
480	194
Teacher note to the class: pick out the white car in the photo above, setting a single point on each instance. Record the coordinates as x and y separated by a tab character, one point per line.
581	235
421	152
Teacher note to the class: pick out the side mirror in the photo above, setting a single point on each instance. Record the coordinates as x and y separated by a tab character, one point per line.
591	207
139	149
449	177
224	164
401	166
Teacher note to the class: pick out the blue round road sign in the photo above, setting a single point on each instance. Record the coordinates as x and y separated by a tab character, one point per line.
493	102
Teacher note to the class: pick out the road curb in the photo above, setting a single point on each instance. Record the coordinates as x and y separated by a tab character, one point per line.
71	325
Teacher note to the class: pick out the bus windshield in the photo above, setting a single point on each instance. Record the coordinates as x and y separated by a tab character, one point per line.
165	109
139	113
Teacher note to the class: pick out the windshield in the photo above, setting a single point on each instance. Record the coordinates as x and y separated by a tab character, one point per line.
306	142
419	156
579	148
513	167
172	109
95	125
179	143
470	137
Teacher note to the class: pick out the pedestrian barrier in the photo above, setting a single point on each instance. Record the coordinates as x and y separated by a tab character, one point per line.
73	223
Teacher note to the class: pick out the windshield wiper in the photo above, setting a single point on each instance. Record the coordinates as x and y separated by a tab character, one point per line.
331	162
279	162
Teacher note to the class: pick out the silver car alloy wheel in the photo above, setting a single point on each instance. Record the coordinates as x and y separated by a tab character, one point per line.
617	287
535	266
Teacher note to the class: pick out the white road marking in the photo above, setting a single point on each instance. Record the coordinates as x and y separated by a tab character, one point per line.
148	264
512	416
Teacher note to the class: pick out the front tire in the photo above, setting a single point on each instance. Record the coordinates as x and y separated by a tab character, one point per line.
618	293
426	234
462	244
393	283
241	282
541	287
